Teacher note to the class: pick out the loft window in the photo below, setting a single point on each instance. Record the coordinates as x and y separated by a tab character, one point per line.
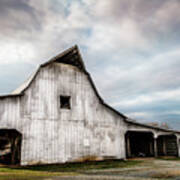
65	102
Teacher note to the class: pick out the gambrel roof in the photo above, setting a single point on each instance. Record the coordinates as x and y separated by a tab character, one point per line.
70	56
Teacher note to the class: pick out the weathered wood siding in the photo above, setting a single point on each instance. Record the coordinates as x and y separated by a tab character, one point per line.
54	135
10	113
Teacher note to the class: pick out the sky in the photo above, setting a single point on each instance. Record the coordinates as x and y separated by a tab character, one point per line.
130	47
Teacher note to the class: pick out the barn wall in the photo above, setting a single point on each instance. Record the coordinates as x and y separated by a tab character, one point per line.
54	135
10	113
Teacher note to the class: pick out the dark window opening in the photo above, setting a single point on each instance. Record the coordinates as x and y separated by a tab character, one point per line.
65	102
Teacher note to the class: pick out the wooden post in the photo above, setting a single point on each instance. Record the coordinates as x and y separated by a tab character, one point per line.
178	146
128	147
13	149
164	146
155	147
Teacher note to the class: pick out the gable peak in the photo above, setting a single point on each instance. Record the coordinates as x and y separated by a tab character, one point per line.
70	56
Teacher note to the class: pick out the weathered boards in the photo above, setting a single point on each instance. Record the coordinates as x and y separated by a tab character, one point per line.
59	117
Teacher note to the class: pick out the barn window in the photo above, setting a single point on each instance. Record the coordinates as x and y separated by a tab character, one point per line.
65	102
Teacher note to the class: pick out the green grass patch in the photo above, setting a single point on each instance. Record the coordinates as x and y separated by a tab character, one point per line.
76	167
68	169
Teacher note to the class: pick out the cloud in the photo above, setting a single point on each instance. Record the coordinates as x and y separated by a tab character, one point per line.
172	95
140	115
147	90
18	16
116	36
16	52
97	25
156	73
134	24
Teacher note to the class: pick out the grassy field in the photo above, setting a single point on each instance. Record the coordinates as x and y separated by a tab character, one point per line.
70	169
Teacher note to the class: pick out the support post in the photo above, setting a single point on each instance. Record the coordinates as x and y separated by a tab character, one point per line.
164	146
155	147
128	147
178	145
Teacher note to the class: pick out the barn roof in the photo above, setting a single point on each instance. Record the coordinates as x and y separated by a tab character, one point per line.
130	121
72	56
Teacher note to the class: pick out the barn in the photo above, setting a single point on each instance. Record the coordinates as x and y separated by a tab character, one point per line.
58	116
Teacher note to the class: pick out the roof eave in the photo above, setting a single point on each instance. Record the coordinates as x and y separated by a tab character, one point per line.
152	127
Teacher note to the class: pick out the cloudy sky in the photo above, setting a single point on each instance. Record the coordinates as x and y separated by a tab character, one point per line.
130	47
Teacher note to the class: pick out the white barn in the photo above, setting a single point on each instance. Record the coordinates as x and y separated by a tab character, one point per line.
58	116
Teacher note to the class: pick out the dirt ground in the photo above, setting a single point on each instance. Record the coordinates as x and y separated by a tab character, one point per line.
148	169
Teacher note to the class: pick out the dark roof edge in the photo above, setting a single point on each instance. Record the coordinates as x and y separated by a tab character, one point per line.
10	95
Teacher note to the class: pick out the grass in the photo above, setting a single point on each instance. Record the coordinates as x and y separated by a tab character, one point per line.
15	174
68	169
76	167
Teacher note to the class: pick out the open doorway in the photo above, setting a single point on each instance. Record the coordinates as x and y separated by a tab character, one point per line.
139	144
167	145
10	146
